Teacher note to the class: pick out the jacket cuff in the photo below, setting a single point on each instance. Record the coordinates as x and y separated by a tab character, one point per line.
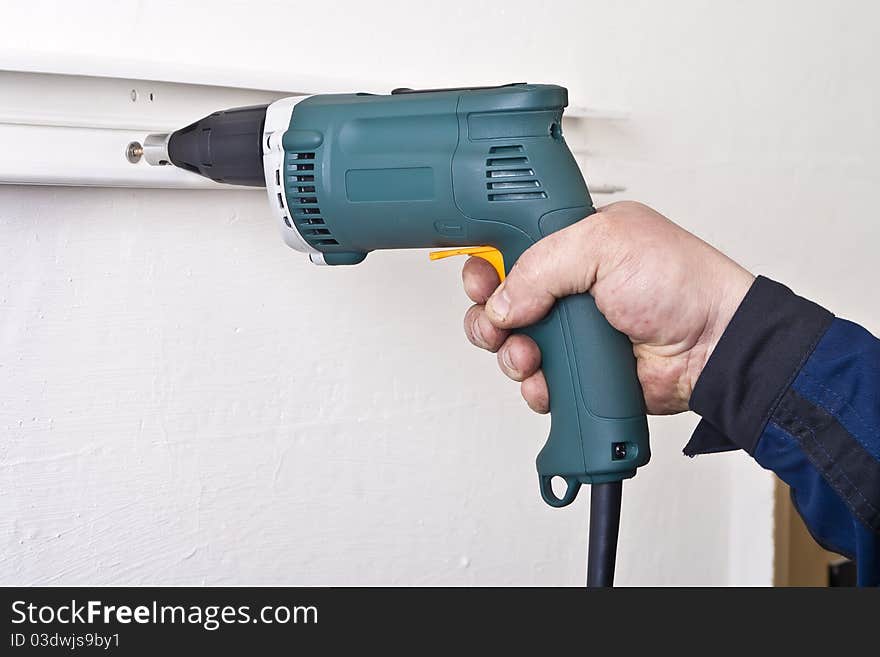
768	340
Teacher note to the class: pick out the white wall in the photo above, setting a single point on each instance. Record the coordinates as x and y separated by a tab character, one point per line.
183	400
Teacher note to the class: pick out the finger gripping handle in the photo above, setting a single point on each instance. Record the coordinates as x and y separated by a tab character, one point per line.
598	428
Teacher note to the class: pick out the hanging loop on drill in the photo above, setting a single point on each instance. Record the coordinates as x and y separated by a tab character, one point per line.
545	482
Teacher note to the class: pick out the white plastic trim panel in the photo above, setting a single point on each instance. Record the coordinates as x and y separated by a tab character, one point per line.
59	129
74	130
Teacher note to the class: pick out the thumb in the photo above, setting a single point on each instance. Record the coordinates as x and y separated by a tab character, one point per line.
560	264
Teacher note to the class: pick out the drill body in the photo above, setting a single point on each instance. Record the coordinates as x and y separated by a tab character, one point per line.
348	174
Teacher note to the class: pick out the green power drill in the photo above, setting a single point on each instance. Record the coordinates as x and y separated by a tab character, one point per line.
480	170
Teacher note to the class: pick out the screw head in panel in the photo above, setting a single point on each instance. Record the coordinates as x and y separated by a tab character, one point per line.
134	152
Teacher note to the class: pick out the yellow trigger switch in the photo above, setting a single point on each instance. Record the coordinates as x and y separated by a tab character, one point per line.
489	254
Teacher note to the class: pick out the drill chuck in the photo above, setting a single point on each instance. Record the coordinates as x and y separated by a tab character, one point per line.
224	146
156	149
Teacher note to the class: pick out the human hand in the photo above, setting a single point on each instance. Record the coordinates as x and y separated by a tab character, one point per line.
666	289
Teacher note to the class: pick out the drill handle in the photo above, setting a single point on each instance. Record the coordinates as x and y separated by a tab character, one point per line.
599	431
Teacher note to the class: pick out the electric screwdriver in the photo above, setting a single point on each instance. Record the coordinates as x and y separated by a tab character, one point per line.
483	171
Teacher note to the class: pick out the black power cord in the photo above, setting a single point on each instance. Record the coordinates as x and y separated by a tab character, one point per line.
604	524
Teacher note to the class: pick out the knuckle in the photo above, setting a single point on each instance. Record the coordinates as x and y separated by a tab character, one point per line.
506	363
528	267
626	206
534	391
470	325
602	224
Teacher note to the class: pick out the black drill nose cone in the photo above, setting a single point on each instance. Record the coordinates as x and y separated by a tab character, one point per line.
225	146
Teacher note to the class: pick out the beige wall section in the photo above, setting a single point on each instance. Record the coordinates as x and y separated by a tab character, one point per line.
184	400
798	560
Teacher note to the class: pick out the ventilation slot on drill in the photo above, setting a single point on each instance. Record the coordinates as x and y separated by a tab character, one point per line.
302	181
510	176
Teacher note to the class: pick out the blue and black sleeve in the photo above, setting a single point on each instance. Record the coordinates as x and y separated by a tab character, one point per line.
799	390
